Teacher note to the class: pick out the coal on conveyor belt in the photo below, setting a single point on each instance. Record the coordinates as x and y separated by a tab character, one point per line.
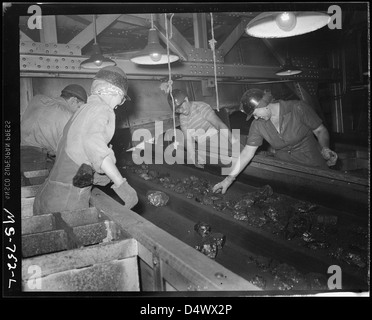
157	198
210	242
203	229
301	222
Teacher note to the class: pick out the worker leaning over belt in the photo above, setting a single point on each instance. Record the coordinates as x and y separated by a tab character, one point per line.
43	121
289	127
83	156
197	115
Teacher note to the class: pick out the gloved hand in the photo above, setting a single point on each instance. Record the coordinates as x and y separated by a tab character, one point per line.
330	156
223	185
100	179
126	193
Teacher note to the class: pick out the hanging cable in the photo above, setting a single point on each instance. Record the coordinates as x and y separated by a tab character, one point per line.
170	82
212	43
94	28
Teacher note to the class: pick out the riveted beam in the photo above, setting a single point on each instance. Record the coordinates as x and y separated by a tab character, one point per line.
177	43
233	37
31	47
54	65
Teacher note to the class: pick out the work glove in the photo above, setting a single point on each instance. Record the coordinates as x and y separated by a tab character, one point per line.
126	193
100	179
330	156
223	185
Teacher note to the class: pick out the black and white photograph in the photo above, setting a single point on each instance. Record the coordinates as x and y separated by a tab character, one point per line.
190	149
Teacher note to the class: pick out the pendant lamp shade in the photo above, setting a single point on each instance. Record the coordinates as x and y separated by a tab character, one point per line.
153	53
286	24
288	69
97	60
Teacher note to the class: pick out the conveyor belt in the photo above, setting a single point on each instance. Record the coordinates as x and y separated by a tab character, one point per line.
245	245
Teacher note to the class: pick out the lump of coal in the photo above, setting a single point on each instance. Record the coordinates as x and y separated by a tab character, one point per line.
241	215
286	277
270	212
208	248
202	228
354	259
259	281
297	226
316	281
145	176
304	207
218	238
180	188
264	192
153	174
157	198
219	205
83	177
207	200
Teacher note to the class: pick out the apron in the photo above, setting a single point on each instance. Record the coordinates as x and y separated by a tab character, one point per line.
58	193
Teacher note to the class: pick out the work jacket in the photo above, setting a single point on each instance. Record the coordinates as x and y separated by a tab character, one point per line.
43	121
295	141
85	140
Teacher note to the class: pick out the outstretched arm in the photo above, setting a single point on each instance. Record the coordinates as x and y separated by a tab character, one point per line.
240	163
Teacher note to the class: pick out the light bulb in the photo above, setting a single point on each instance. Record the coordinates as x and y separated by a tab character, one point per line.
286	21
155	56
98	63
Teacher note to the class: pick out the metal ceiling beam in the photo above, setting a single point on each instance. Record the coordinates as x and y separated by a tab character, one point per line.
48	33
233	37
59	66
136	21
85	36
79	19
24	37
200	30
178	44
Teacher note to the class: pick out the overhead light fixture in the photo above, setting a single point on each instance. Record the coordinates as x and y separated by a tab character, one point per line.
286	24
153	53
288	69
96	60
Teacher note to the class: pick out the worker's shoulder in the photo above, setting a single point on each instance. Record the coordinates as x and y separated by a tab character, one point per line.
294	105
201	106
48	103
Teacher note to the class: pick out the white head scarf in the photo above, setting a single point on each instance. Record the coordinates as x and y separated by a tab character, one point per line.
102	87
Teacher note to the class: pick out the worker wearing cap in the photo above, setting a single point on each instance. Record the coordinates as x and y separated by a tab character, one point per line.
83	156
43	121
197	115
290	127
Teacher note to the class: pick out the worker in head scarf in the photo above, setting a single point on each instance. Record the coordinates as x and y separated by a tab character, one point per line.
83	156
197	115
290	127
42	125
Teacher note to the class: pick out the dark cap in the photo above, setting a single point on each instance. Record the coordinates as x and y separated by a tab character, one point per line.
76	91
179	97
253	99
